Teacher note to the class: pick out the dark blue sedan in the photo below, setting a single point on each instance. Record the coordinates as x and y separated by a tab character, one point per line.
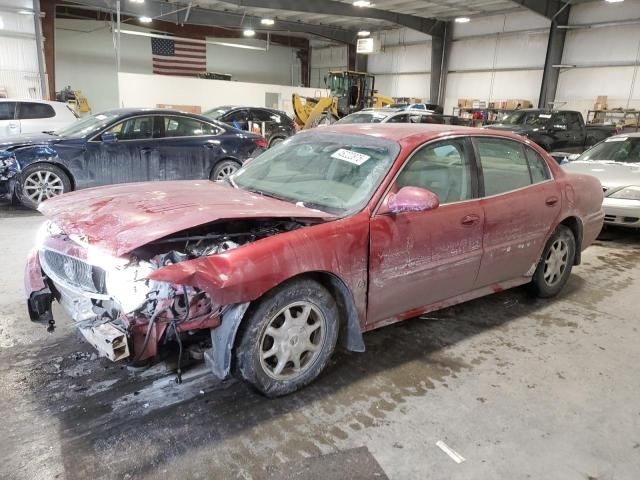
117	146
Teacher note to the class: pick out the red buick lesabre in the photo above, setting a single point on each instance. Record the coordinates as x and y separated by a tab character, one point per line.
334	232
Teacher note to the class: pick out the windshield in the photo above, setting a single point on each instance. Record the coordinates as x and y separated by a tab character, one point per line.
217	112
335	173
526	118
615	149
364	117
87	126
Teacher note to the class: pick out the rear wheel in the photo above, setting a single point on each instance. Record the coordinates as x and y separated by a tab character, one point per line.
555	265
224	169
41	182
288	338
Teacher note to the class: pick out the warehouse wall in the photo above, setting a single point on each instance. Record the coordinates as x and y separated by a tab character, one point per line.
604	56
324	58
19	74
85	59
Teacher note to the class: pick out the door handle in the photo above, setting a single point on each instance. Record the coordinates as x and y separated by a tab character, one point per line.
208	145
551	201
146	150
469	220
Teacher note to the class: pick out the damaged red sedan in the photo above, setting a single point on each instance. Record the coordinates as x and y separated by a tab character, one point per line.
331	233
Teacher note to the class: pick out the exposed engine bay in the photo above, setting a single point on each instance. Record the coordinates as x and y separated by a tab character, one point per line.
126	315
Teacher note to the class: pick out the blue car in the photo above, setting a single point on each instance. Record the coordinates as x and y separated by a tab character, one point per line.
117	146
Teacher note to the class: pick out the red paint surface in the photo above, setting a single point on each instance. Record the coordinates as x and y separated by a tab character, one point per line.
120	218
33	281
402	265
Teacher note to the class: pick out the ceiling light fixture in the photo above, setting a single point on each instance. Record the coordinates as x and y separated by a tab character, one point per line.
614	1
136	1
362	3
145	19
364	33
462	20
25	12
248	32
267	21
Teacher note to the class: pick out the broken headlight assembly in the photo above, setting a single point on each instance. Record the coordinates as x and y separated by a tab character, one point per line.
627	193
9	166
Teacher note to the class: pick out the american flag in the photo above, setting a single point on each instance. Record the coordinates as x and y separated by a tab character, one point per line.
178	57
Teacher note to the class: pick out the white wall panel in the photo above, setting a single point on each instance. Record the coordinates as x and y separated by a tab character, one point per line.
135	91
581	86
407	85
511	22
602	45
401	59
594	12
473	54
522	51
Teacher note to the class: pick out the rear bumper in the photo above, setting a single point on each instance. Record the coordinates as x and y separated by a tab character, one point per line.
621	212
591	227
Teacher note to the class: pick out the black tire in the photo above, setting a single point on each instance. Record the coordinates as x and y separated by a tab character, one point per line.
223	169
275	141
555	265
268	315
40	182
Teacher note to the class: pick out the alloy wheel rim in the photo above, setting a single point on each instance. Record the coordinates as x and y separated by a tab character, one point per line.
42	185
225	172
556	262
292	341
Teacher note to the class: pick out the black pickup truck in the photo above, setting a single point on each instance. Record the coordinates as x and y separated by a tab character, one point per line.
555	130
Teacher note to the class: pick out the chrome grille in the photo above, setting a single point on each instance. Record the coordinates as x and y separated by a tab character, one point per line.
73	272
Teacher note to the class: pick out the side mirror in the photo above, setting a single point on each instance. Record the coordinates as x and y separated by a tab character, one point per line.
109	137
411	199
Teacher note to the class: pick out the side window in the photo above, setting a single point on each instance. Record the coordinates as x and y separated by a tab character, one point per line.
537	166
404	118
504	166
31	110
7	110
236	116
419	106
260	116
138	128
186	127
560	121
431	119
574	121
441	167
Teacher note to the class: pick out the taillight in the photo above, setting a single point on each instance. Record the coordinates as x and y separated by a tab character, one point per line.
261	142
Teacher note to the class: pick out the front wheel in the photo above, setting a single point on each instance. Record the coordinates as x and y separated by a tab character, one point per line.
288	338
555	265
41	182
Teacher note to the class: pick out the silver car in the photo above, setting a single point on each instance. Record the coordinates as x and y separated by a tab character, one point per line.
616	163
398	115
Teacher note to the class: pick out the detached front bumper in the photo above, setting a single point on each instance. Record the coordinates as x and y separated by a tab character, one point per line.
621	212
39	295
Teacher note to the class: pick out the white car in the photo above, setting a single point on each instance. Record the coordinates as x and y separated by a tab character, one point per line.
18	117
616	163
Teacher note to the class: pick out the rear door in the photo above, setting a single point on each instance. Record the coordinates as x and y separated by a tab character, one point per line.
521	204
8	123
187	147
35	117
132	157
577	130
561	136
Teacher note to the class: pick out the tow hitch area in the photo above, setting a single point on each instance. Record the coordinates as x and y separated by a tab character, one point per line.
108	340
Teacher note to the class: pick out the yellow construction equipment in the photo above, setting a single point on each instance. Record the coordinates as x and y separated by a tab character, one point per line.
349	92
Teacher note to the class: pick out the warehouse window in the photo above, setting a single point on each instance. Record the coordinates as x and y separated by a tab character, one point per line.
442	168
31	110
504	165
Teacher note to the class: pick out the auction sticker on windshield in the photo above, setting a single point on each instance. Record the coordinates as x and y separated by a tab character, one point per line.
350	156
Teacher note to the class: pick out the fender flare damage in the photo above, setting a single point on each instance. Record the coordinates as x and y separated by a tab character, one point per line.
218	358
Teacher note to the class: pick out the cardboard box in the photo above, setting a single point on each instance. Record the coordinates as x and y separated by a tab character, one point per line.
601	103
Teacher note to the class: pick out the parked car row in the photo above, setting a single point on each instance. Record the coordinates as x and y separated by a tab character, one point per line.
19	117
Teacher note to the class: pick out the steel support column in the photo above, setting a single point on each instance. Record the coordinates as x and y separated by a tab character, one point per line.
555	49
440	46
48	8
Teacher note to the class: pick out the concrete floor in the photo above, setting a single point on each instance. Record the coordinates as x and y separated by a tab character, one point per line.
521	388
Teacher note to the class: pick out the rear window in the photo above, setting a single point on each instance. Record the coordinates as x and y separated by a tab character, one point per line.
7	110
29	110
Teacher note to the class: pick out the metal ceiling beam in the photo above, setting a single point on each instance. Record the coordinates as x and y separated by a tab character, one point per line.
429	26
171	12
547	8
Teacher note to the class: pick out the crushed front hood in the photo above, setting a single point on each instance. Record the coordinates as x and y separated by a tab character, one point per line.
121	218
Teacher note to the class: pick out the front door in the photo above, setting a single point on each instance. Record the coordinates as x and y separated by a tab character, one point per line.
131	157
421	258
521	204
